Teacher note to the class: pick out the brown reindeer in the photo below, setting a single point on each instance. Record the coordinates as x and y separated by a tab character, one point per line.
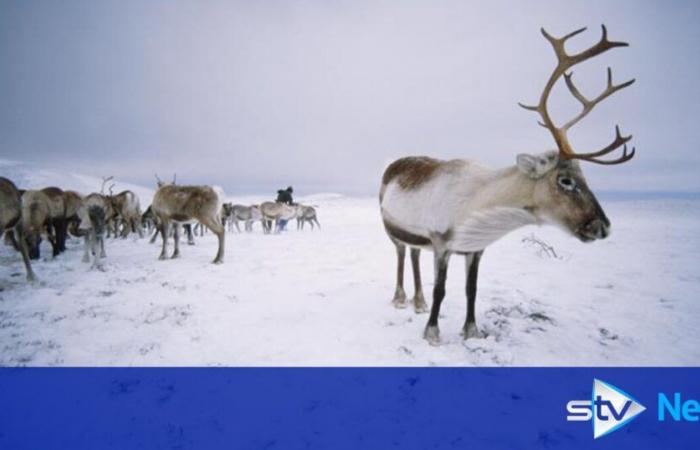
11	220
36	221
72	200
127	210
57	218
179	204
460	207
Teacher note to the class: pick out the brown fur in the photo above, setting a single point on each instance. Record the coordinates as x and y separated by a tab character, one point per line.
172	203
413	171
10	219
36	220
72	201
57	218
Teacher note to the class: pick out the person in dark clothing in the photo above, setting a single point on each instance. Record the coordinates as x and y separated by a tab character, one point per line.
284	196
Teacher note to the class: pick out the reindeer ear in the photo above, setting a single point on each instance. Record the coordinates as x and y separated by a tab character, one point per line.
535	166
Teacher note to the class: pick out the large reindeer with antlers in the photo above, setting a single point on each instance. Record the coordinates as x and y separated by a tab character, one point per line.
460	207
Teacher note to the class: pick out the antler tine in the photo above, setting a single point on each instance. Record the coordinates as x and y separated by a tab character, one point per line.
588	105
558	43
619	141
624	158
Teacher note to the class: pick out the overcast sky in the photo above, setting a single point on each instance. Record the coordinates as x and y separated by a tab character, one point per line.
256	95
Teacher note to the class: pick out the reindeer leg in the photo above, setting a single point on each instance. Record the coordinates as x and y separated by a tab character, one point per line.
399	300
190	235
432	330
155	235
218	230
318	224
61	232
101	240
418	299
238	228
52	235
470	329
139	227
86	253
164	231
25	254
176	238
93	246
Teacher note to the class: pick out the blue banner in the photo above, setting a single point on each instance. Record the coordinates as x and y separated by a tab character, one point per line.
348	408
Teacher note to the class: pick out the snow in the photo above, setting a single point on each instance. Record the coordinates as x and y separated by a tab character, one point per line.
323	298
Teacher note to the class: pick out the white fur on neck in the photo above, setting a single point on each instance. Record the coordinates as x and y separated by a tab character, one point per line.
481	228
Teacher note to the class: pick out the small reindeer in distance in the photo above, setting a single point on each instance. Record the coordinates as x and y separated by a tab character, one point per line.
245	214
306	214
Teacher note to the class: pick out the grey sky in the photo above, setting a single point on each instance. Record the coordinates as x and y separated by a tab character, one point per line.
322	94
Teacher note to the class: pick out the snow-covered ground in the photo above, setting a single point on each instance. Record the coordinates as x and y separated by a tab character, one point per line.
323	298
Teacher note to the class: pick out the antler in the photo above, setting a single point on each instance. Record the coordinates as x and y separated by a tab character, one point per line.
104	181
565	62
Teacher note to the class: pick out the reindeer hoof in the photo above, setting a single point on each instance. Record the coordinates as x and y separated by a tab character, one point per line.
31	277
399	302
471	331
175	256
432	335
162	258
419	305
218	261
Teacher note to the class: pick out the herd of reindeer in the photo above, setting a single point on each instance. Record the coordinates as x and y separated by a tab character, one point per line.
28	216
455	207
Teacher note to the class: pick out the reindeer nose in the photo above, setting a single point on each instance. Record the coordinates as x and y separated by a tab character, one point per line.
598	228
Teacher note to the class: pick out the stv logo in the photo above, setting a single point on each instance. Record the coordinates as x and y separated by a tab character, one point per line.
610	408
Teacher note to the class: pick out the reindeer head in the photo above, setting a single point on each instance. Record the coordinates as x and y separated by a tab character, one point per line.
561	193
562	196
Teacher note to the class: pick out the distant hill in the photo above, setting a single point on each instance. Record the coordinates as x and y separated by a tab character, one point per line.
31	176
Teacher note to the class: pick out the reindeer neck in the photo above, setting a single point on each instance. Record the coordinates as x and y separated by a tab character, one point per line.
507	188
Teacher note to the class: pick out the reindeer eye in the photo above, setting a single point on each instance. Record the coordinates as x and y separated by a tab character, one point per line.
567	183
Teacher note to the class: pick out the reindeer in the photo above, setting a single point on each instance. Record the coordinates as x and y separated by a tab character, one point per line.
93	213
179	204
36	220
72	200
11	220
246	214
275	211
57	218
306	214
460	207
127	210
